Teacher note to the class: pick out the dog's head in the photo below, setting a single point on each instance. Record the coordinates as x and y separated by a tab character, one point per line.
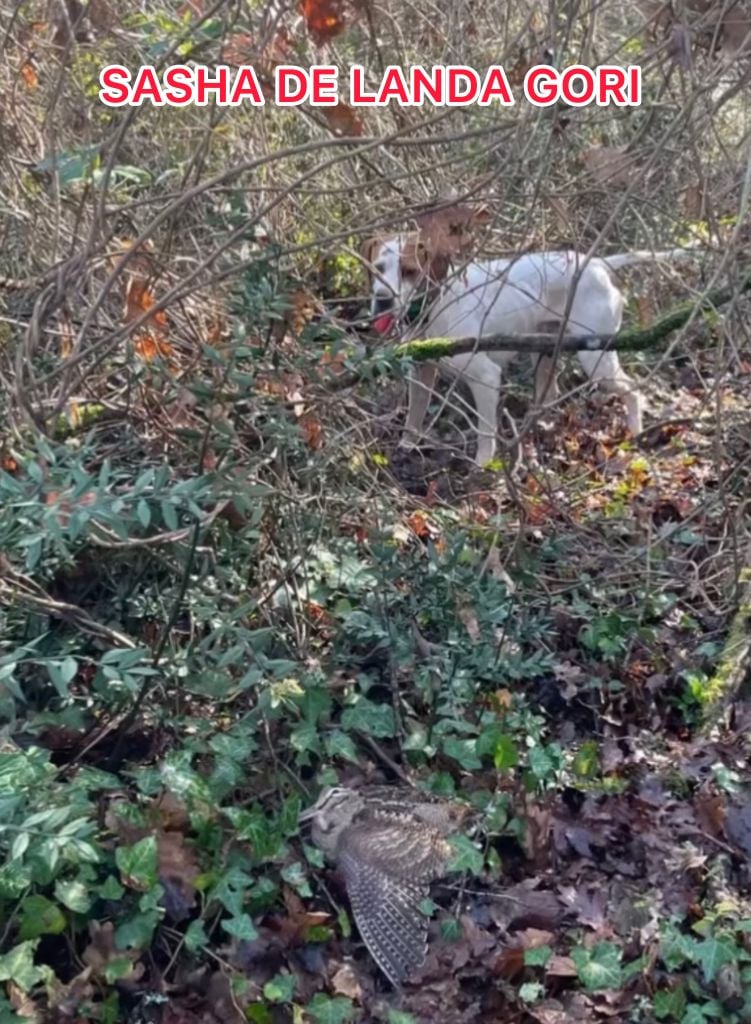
404	267
401	267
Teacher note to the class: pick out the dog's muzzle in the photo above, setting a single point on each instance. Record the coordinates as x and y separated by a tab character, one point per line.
382	304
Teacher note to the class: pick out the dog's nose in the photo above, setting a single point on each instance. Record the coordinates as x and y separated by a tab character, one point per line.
382	304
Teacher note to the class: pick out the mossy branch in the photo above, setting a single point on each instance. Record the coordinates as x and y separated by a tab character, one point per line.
632	339
730	678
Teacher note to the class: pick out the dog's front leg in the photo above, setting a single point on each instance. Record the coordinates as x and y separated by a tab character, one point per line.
421	382
484	379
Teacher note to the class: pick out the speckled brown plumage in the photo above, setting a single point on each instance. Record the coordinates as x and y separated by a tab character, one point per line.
389	843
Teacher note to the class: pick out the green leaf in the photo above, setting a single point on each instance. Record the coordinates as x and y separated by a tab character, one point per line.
538	956
466	856
586	764
241	927
540	763
531	991
138	863
324	1010
196	937
338	744
712	953
464	752
399	1017
669	1003
40	916
506	753
280	989
73	895
598	967
137	931
18	966
110	889
374	719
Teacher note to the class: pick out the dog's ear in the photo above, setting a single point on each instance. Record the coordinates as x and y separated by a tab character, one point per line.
438	267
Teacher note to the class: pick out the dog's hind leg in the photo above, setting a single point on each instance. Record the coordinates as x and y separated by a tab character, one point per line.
546	380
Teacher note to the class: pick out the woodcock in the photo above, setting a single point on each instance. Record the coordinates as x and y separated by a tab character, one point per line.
389	844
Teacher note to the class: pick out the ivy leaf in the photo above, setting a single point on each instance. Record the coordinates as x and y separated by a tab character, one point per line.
466	856
73	895
17	965
280	989
464	752
338	744
241	927
669	1003
138	863
712	953
324	1010
374	719
537	956
196	937
598	967
40	916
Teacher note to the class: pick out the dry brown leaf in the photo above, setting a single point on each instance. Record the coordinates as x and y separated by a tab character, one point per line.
312	431
343	119
345	983
66	335
469	620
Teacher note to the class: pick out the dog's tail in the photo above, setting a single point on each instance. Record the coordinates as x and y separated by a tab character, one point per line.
630	259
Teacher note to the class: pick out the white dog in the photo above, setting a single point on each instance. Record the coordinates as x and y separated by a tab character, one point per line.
533	293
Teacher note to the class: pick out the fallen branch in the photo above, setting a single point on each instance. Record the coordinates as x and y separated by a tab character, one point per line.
632	339
730	678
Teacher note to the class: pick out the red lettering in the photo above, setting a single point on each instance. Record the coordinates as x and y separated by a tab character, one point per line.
634	75
324	86
424	84
457	74
178	84
356	94
146	87
114	81
287	76
541	85
246	85
394	86
206	85
496	84
576	73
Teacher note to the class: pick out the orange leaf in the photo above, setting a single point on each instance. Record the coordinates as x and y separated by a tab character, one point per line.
324	19
343	119
29	75
148	348
311	430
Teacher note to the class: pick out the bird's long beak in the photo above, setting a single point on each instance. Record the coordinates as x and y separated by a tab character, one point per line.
307	815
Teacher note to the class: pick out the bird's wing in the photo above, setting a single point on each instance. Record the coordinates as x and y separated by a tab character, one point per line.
387	868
